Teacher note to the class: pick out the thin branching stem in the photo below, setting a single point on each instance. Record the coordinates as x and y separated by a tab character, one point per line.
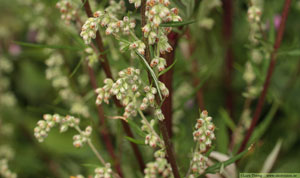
104	63
162	125
150	127
269	75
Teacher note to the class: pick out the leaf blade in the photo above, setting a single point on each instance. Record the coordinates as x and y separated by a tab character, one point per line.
152	74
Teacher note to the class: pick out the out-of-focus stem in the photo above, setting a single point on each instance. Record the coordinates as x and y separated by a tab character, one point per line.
106	136
195	70
271	68
227	34
104	131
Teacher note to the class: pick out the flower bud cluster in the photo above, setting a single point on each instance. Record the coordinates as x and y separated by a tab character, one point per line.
203	135
164	90
89	29
82	138
4	170
151	138
158	113
158	12
254	14
159	167
44	126
67	10
249	75
54	72
149	99
137	45
132	93
107	19
199	163
116	7
158	62
103	172
126	89
7	97
137	3
91	56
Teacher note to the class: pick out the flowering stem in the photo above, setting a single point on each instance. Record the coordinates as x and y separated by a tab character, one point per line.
104	131
150	127
269	75
91	145
190	168
162	125
93	148
108	74
96	152
169	149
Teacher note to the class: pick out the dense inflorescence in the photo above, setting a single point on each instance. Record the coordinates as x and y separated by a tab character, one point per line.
103	172
4	170
44	126
131	91
67	9
159	167
203	136
107	19
7	97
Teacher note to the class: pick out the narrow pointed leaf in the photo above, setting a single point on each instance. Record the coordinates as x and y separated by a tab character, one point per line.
216	167
177	24
167	69
138	142
136	128
33	45
152	74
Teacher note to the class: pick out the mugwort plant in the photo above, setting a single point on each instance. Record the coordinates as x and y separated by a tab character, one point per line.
134	86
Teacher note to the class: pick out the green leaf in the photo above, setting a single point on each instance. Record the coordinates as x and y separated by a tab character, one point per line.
190	5
210	150
167	69
136	128
138	142
205	77
179	4
152	74
295	52
76	68
270	161
90	165
227	119
216	167
272	32
47	46
223	137
177	24
262	128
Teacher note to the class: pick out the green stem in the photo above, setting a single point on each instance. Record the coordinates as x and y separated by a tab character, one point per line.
150	127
